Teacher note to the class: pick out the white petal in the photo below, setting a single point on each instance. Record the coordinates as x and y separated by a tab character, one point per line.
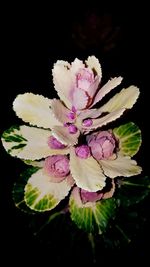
126	98
93	63
86	172
41	194
35	109
121	166
111	84
63	81
62	134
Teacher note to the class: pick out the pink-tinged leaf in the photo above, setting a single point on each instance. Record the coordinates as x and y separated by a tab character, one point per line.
111	84
80	99
111	192
93	87
63	135
87	196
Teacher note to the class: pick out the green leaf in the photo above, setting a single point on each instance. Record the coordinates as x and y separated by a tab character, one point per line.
92	217
129	136
133	190
18	190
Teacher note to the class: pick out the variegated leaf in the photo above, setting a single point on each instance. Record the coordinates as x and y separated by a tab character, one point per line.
41	194
29	143
13	140
129	137
18	190
91	217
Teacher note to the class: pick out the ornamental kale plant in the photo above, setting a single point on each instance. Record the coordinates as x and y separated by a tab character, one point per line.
73	152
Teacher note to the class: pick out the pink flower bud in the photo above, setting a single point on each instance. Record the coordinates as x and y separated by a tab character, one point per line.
57	166
71	115
72	129
102	144
83	151
87	122
73	109
53	143
87	196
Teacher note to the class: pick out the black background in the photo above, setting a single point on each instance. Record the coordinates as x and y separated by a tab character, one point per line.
33	38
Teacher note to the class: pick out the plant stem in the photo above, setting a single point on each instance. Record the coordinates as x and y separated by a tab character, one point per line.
92	242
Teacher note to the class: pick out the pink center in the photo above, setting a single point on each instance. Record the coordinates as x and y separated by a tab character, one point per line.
84	78
57	166
83	151
53	143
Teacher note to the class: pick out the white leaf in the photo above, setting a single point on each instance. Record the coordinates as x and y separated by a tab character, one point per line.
121	166
35	109
87	173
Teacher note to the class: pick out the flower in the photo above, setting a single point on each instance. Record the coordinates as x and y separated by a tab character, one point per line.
102	144
57	166
71	158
